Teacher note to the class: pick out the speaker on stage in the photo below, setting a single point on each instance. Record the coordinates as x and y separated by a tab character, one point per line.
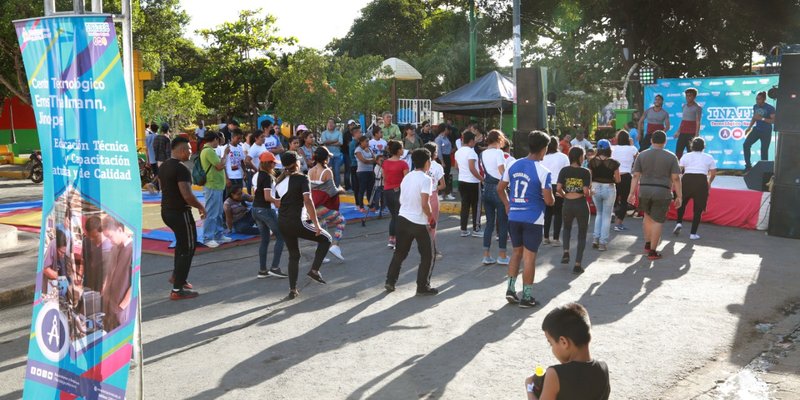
787	158
787	117
531	104
758	176
520	144
784	215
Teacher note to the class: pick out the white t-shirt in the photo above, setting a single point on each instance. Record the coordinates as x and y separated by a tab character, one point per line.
413	185
463	155
458	143
625	155
436	172
697	162
235	158
509	159
587	145
255	152
492	160
554	162
378	146
272	142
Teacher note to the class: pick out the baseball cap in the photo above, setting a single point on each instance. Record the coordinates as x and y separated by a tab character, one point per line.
351	122
301	127
165	127
603	144
267	156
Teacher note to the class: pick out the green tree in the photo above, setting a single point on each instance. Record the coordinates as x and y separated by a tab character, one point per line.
158	27
242	61
303	93
177	104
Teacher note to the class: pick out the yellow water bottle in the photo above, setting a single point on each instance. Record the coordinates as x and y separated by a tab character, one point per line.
538	380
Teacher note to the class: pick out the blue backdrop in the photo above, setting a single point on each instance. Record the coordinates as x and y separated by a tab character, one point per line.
727	109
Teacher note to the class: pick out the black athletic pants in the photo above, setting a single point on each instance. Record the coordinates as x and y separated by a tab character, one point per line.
392	197
182	225
407	233
684	144
553	216
448	177
576	209
694	186
294	230
623	191
469	201
765	137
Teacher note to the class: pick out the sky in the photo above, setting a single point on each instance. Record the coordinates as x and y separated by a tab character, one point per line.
313	22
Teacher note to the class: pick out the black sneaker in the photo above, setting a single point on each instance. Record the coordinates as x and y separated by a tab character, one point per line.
389	287
276	272
315	275
182	294
262	274
577	269
528	303
427	291
565	258
511	297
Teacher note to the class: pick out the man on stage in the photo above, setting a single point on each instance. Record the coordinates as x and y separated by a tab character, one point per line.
657	119
763	118
690	123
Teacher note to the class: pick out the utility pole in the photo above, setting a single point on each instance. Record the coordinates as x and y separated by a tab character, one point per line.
517	38
473	39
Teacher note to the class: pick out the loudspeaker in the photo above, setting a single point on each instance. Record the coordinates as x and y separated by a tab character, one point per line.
758	177
787	110
784	215
531	104
787	159
520	146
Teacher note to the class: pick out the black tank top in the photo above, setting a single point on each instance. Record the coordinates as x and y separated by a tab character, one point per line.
583	380
603	170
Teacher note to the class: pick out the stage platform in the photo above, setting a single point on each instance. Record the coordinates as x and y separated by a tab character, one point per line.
731	203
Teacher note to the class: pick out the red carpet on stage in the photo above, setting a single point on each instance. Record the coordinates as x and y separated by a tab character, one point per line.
730	203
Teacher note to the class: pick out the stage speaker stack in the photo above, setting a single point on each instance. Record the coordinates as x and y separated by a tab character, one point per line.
784	216
758	177
531	106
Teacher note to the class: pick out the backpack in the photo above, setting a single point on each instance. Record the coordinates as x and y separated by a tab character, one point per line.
198	174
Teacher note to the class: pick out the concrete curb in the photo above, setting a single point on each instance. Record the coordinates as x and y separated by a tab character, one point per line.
14	297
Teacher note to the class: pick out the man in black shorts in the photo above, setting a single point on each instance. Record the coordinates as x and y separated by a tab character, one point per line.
177	201
655	174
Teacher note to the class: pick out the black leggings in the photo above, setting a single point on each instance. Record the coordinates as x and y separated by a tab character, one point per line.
684	144
297	229
765	137
182	225
694	186
469	200
392	198
407	233
553	214
623	190
447	163
576	209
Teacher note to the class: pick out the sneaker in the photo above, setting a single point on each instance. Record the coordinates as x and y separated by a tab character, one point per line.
638	215
224	239
293	294
389	287
488	260
694	236
503	260
186	285
595	243
427	291
577	269
620	228
315	275
449	197
326	260
555	243
336	251
439	256
477	234
262	274
276	272
565	258
546	241
528	303
677	230
464	233
601	247
654	255
182	294
511	297
212	244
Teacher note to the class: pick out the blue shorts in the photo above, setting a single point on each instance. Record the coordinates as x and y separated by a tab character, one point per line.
524	233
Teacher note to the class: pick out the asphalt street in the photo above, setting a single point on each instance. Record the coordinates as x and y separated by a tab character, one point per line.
654	322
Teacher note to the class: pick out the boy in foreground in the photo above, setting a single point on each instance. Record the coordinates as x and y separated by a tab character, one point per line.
578	377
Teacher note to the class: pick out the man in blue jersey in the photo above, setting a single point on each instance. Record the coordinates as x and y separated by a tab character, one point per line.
529	184
763	117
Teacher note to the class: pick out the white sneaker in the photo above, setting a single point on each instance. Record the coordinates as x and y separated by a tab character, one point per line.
336	251
464	233
677	230
450	197
211	244
694	236
224	239
326	260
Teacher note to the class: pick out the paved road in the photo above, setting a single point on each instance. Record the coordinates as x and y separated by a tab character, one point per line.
654	323
12	191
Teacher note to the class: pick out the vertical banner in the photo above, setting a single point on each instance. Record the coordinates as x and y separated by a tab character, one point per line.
727	109
87	278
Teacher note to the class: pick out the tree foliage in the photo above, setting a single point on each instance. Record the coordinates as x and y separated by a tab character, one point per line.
177	104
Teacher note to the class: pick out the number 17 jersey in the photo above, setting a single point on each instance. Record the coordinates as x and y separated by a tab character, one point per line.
526	179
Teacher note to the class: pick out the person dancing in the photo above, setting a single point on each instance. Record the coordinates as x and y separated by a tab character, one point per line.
266	218
554	161
325	194
494	166
574	185
394	169
436	172
699	170
297	219
763	118
605	176
625	153
690	122
657	120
